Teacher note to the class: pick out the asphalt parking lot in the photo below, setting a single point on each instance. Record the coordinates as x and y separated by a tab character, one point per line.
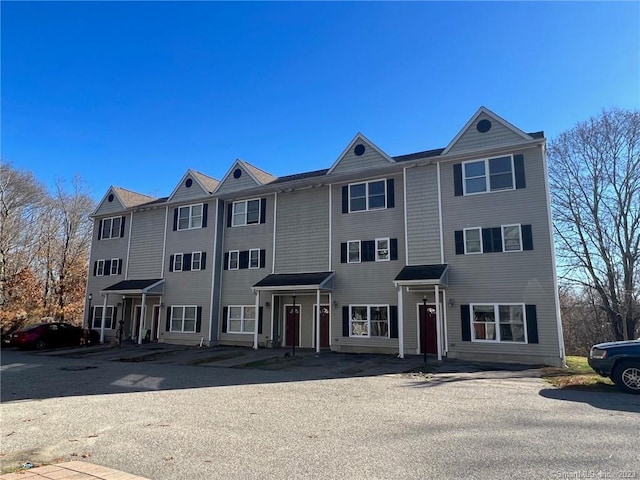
174	412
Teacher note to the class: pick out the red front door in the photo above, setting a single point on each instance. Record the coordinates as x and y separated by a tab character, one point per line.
428	330
293	326
324	326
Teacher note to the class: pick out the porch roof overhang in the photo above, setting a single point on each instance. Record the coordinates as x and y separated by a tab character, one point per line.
152	286
295	281
423	275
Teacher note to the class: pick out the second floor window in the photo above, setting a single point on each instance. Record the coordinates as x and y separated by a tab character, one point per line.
367	196
246	212
111	228
489	175
190	216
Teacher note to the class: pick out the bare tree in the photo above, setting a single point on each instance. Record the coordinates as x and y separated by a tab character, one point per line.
595	180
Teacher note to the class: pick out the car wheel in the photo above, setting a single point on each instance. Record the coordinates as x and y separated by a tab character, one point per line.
40	345
626	376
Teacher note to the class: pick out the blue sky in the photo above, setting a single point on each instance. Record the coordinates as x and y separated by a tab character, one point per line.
134	94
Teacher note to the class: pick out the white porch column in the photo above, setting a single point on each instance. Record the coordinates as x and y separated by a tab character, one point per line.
438	330
143	316
255	330
318	321
400	323
445	347
104	317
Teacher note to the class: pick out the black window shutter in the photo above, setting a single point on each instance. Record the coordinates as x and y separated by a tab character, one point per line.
224	319
496	234
107	267
99	229
487	243
229	213
198	319
114	318
393	328
345	199
532	323
459	236
205	210
518	166
186	262
263	210
95	268
343	253
394	248
527	237
171	263
203	260
243	259
345	321
175	219
122	227
226	261
120	266
465	318
168	326
391	197
260	320
457	179
368	250
263	258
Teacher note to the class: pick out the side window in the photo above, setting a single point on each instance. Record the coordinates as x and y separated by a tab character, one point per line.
177	262
472	240
196	260
233	260
353	251
254	258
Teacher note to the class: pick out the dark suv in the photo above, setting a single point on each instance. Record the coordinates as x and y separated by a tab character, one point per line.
619	361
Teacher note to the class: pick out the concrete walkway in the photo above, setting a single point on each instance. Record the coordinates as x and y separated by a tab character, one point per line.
71	471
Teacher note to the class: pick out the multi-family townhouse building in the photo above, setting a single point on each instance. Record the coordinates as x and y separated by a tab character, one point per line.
446	251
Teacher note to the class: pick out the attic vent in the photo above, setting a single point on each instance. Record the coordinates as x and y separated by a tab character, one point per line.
359	150
483	126
110	198
188	183
237	173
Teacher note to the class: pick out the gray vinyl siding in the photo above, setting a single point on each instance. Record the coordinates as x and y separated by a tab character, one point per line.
302	231
216	264
231	184
423	228
236	284
188	194
147	239
365	283
506	277
472	139
190	287
350	161
106	207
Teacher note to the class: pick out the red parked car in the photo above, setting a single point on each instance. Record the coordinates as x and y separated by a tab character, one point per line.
51	335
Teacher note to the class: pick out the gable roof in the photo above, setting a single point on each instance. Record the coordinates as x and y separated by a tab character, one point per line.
131	199
208	183
260	175
489	113
359	138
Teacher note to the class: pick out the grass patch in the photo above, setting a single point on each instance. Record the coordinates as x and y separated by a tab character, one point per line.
578	375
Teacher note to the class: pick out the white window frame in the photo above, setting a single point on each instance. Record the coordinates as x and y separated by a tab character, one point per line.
479	229
115	263
243	220
257	251
378	249
100	268
111	232
192	219
349	242
194	262
367	195
497	322
243	319
183	317
237	255
368	320
487	175
504	243
109	321
175	262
